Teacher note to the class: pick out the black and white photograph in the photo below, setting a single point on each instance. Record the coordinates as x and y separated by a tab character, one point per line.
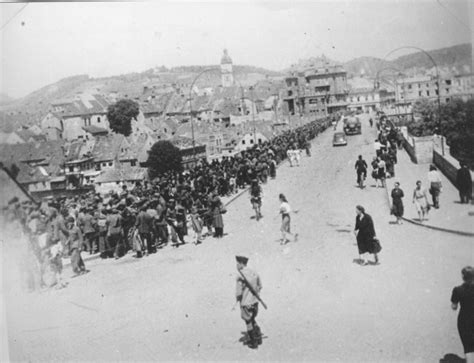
244	181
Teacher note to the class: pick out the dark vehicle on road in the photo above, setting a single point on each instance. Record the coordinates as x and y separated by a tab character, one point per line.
339	139
352	125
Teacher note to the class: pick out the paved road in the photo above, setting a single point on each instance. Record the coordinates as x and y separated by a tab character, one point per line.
176	305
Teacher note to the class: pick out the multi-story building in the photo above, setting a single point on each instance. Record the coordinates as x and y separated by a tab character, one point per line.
409	90
71	116
363	99
318	89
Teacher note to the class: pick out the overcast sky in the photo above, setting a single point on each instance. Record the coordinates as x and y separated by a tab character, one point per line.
49	41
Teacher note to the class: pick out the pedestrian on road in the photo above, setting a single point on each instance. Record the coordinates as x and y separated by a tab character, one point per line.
285	229
256	198
464	183
248	301
381	171
361	170
435	185
75	242
144	226
397	203
421	201
217	210
464	295
273	166
365	233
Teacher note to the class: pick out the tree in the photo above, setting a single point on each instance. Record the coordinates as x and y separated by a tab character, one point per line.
120	115
426	118
162	157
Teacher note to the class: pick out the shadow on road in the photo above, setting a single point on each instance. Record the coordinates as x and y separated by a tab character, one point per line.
343	230
452	358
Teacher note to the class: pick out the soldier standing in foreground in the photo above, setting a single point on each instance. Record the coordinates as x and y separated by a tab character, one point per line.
247	290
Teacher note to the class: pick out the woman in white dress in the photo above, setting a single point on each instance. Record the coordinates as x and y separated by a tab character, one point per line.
421	201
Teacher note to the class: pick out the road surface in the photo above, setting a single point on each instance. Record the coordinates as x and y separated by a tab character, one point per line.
322	305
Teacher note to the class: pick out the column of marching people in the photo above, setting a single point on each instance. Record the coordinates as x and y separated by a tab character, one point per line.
168	210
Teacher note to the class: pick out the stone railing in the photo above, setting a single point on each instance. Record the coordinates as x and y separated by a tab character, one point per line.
432	149
443	160
420	149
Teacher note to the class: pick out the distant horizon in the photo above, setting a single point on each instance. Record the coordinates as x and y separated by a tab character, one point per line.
109	39
214	65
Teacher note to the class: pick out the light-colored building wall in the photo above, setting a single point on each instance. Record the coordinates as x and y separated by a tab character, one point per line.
248	140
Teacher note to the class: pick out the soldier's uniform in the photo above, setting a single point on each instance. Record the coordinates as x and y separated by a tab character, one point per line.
248	301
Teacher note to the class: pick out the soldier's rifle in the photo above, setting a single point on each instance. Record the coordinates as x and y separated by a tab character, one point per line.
252	290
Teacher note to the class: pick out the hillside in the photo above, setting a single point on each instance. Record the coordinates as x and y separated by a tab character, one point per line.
5	99
32	108
455	60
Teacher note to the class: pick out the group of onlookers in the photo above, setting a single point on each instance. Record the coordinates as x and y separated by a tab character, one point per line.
152	213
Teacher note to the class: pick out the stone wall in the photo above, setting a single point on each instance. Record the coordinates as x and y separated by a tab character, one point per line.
447	164
420	149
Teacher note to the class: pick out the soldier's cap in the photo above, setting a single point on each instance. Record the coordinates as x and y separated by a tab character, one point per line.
241	259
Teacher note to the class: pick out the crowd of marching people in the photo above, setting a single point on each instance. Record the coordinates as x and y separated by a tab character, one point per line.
148	216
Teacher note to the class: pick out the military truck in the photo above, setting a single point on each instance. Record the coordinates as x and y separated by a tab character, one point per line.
352	125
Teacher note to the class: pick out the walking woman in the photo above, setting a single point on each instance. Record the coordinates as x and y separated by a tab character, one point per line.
464	295
397	203
285	229
421	201
365	233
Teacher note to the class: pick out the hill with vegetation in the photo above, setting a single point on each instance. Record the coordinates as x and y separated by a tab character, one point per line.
451	60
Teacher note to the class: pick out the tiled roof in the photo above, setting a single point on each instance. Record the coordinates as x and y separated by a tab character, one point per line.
108	147
94	130
122	174
96	104
183	142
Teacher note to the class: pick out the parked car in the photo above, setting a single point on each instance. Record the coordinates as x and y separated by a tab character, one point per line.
339	139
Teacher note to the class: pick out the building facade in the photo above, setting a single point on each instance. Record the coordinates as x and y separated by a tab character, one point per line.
71	116
363	99
318	90
410	90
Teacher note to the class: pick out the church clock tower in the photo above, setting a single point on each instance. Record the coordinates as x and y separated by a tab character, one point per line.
227	76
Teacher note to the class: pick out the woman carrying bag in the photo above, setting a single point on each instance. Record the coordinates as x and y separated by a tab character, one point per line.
367	241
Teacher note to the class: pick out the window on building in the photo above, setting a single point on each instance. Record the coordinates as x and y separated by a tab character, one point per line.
447	100
98	120
358	99
243	142
428	93
104	164
259	141
409	86
437	92
447	90
419	93
448	82
419	85
71	169
251	141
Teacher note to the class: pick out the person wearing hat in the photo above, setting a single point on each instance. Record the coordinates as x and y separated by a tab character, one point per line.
248	301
